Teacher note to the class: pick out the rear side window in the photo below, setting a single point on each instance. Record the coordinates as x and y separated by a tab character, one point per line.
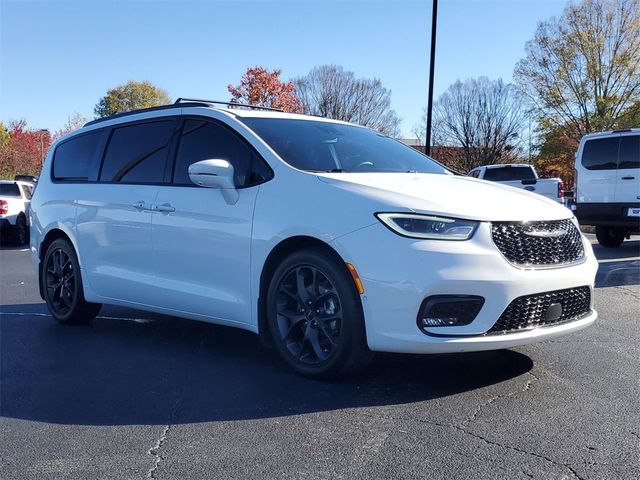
78	158
9	190
601	154
27	191
138	153
205	140
505	174
629	156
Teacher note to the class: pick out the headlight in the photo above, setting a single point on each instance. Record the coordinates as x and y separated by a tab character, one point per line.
413	225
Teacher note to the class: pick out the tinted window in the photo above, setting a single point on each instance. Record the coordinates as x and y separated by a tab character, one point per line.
505	174
326	146
138	153
601	154
203	140
629	156
78	158
9	190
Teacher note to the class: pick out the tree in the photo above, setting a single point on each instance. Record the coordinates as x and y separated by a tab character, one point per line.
24	151
74	122
258	86
556	155
130	96
483	118
582	70
330	91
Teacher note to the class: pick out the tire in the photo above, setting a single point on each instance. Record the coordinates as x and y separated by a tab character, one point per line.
315	318
610	237
62	285
21	231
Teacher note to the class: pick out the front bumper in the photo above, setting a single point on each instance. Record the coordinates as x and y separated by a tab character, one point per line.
399	273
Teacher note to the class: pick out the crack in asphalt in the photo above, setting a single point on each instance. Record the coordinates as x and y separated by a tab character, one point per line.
154	451
477	411
629	291
463	427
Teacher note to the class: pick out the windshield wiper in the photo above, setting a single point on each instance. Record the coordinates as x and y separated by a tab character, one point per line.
337	170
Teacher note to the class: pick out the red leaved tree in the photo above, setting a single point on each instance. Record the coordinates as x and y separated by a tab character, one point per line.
259	86
24	150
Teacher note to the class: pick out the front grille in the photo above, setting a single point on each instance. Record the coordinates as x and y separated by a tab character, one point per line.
530	311
538	244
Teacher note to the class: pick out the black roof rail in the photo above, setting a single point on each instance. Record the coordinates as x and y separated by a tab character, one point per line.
622	131
150	109
230	104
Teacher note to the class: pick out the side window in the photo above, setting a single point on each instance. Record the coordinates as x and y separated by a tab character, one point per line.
629	156
138	153
601	154
78	159
204	140
26	191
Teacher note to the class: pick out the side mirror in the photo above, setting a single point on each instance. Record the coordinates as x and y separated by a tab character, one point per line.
215	173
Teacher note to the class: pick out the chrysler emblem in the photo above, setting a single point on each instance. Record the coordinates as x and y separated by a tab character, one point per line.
546	233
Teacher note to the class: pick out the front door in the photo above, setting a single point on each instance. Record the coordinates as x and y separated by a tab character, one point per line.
202	243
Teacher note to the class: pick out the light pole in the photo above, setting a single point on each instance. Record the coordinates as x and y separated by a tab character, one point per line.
42	132
432	62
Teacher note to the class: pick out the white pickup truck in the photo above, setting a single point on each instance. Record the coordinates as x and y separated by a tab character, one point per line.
521	175
15	196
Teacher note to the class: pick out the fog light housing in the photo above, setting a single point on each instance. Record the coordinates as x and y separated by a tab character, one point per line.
448	311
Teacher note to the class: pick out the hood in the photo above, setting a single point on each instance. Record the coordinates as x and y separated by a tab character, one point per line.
448	195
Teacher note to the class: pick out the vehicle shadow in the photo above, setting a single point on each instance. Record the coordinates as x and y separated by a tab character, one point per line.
159	370
618	266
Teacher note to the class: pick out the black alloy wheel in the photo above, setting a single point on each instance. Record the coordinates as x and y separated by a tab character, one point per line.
315	317
309	314
62	285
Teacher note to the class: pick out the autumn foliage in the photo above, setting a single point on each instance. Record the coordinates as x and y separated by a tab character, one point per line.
259	86
22	149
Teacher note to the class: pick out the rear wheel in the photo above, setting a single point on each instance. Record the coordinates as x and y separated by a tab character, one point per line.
21	231
610	237
315	316
62	285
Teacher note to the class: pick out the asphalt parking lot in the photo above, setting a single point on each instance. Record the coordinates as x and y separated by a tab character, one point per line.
138	395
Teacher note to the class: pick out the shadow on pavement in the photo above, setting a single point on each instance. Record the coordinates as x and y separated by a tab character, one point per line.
169	370
618	266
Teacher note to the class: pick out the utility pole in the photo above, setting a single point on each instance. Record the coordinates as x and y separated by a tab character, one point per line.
42	132
432	62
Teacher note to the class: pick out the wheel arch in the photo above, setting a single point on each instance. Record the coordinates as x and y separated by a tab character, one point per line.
276	255
50	237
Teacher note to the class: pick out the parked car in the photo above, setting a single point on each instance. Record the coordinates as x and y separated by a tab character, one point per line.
521	175
14	202
329	240
607	193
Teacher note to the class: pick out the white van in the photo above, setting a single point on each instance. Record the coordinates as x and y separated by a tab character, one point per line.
329	240
608	184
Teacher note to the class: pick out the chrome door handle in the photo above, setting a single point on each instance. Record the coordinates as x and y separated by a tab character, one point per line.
140	206
164	208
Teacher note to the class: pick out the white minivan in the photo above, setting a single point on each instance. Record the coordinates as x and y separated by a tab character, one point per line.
607	191
329	240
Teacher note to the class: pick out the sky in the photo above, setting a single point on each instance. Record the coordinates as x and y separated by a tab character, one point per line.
60	57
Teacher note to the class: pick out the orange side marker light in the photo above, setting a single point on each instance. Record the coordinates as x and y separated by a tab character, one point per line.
356	278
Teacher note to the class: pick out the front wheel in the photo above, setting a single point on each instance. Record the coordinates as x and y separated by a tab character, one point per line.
62	285
610	237
315	316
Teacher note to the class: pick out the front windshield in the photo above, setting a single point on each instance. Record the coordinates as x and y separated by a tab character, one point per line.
333	147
